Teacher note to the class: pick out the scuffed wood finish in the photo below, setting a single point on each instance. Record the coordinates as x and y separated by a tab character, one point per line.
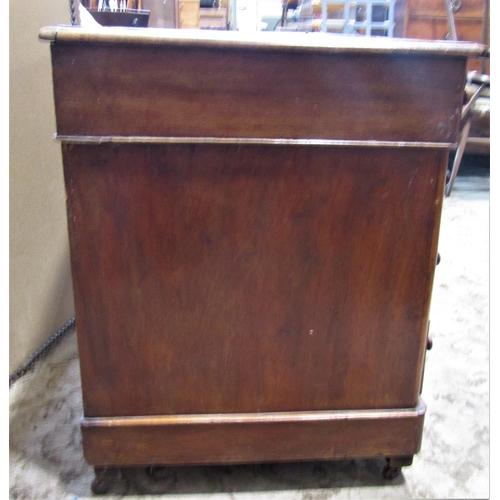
138	139
253	226
269	268
147	442
223	92
262	41
254	418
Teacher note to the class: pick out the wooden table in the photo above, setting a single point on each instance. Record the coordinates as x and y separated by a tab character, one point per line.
253	224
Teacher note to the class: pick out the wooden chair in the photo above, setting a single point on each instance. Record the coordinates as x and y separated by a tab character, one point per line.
479	83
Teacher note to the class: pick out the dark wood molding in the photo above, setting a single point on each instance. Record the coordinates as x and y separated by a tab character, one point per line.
252	438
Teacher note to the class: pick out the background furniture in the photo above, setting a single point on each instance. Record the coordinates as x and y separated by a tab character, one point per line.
457	20
138	18
428	20
475	117
361	17
188	14
253	241
162	13
214	18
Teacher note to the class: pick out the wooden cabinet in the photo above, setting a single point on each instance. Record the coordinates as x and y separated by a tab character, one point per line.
192	15
162	13
428	20
188	14
217	16
464	9
437	29
213	18
253	224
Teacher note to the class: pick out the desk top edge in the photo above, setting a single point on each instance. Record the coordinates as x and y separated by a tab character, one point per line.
280	41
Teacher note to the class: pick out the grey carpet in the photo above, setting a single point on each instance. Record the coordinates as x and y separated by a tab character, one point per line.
46	460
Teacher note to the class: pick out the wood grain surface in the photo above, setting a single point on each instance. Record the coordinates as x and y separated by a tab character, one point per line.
223	92
146	442
219	278
437	8
253	227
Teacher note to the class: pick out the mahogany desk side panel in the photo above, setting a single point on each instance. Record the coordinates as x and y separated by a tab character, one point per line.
253	228
233	279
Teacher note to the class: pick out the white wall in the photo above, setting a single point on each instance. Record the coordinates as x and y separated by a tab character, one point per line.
40	282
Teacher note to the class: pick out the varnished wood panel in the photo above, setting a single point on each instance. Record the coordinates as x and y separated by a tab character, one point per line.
427	20
305	438
189	14
232	278
437	8
438	29
179	91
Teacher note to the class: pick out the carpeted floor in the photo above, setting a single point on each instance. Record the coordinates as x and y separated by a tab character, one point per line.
46	460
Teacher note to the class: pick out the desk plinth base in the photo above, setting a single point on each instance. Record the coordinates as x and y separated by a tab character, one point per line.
147	441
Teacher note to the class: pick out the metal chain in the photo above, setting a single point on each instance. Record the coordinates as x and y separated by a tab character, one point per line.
72	12
41	352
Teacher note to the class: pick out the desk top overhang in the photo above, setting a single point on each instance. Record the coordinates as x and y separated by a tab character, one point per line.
313	89
281	41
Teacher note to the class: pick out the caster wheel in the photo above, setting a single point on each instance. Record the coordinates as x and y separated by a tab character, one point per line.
104	479
153	480
391	472
100	486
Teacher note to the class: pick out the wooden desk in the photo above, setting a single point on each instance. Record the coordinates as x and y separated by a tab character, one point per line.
253	226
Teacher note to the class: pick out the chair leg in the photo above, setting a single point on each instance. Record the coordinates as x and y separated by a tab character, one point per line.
458	157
